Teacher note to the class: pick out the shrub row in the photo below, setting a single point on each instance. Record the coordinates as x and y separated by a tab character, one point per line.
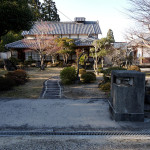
68	75
19	76
13	78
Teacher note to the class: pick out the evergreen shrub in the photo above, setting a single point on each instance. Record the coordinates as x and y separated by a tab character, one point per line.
14	60
68	75
19	76
105	87
106	82
88	77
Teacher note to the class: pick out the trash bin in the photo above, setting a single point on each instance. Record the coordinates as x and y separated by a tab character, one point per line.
127	95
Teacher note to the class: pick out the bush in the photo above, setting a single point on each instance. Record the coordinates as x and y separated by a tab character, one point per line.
105	87
29	61
68	75
14	60
107	72
133	67
6	84
82	71
19	76
106	82
61	63
88	77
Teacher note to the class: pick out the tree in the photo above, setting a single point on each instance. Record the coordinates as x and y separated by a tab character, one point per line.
118	56
15	15
139	12
9	38
43	44
49	11
110	36
139	35
36	8
100	50
67	46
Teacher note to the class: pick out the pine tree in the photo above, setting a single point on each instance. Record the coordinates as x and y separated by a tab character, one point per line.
49	11
110	36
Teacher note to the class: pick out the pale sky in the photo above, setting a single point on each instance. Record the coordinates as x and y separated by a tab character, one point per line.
109	13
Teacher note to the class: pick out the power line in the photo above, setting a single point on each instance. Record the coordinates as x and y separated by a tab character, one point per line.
64	15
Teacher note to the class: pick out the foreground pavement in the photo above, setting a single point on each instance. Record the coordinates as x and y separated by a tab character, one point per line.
66	115
61	115
74	143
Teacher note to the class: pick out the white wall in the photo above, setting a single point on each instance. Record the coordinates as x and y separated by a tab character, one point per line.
83	36
5	55
74	36
65	36
145	52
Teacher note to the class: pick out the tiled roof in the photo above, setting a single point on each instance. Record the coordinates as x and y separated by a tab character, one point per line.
145	38
118	45
29	43
84	42
18	44
58	28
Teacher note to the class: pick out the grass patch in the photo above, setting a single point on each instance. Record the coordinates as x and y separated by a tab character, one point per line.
33	88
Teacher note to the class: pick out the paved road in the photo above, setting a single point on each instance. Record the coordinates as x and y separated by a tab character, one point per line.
51	89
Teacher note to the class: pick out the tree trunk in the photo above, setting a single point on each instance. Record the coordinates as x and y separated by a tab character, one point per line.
64	63
96	61
102	62
53	59
78	65
42	62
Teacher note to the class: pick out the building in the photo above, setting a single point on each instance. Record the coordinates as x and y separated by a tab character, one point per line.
82	31
141	50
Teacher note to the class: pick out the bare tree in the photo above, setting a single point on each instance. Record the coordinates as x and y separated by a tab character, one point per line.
139	36
43	44
140	13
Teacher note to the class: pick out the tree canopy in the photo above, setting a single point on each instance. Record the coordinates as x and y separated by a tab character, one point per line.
15	15
100	50
66	47
36	8
45	11
110	36
49	11
9	38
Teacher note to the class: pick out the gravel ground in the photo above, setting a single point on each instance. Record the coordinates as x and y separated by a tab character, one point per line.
73	143
84	91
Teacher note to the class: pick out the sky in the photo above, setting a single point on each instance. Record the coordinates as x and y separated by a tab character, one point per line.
110	14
